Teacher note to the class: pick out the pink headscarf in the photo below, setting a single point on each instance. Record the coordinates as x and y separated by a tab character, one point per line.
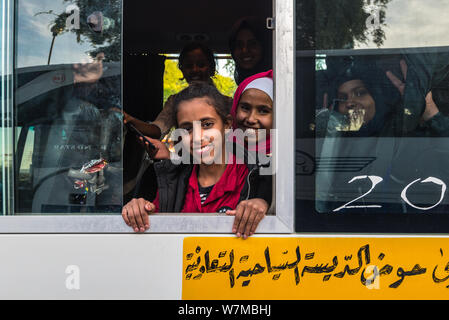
238	93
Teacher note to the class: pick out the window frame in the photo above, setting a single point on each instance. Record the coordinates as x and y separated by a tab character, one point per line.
281	223
7	103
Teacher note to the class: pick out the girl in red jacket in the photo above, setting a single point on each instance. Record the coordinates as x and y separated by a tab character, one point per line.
217	183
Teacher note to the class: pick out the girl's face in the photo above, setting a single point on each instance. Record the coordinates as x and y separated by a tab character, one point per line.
195	66
248	50
356	102
254	112
206	130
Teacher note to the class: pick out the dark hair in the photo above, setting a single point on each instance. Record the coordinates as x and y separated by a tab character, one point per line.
258	27
202	90
205	49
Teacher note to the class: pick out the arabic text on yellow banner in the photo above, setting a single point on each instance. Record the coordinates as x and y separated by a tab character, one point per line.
315	268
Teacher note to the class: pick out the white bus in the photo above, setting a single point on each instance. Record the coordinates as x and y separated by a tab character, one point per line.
360	115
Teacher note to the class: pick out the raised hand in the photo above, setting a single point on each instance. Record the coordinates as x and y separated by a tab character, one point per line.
160	153
89	72
431	108
396	81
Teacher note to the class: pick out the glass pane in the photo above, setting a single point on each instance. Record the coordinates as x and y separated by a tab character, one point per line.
372	126
6	68
2	95
68	128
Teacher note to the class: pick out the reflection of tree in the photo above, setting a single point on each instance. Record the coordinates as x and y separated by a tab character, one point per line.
109	40
225	85
173	79
339	24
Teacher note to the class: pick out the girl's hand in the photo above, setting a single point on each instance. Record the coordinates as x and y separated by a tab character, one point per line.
135	213
126	117
161	152
248	215
90	72
431	108
396	81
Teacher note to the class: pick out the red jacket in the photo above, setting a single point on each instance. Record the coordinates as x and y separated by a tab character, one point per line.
178	186
224	196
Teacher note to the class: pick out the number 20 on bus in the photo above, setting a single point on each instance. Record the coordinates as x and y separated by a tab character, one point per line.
375	180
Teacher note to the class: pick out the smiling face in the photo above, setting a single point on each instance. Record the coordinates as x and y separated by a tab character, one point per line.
206	130
254	112
196	67
355	101
248	50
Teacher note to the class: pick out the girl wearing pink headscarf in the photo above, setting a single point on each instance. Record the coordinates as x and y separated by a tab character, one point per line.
252	111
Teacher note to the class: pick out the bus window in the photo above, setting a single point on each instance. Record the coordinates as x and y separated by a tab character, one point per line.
167	36
72	155
372	124
68	157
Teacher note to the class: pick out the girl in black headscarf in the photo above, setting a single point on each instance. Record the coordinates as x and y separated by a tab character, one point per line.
363	102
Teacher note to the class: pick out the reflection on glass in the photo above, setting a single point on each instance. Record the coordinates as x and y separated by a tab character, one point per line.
380	120
68	144
406	24
348	24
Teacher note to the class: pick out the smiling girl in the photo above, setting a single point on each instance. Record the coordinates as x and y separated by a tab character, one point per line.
250	43
252	111
216	183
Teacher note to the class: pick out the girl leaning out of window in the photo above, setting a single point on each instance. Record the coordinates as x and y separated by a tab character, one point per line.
213	177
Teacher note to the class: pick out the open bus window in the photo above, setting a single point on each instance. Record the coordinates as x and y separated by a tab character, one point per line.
373	133
167	36
68	137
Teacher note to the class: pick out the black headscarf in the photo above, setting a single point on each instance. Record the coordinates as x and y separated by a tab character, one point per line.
386	97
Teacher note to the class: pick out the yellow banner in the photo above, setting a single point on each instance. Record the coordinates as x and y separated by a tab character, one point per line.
315	268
